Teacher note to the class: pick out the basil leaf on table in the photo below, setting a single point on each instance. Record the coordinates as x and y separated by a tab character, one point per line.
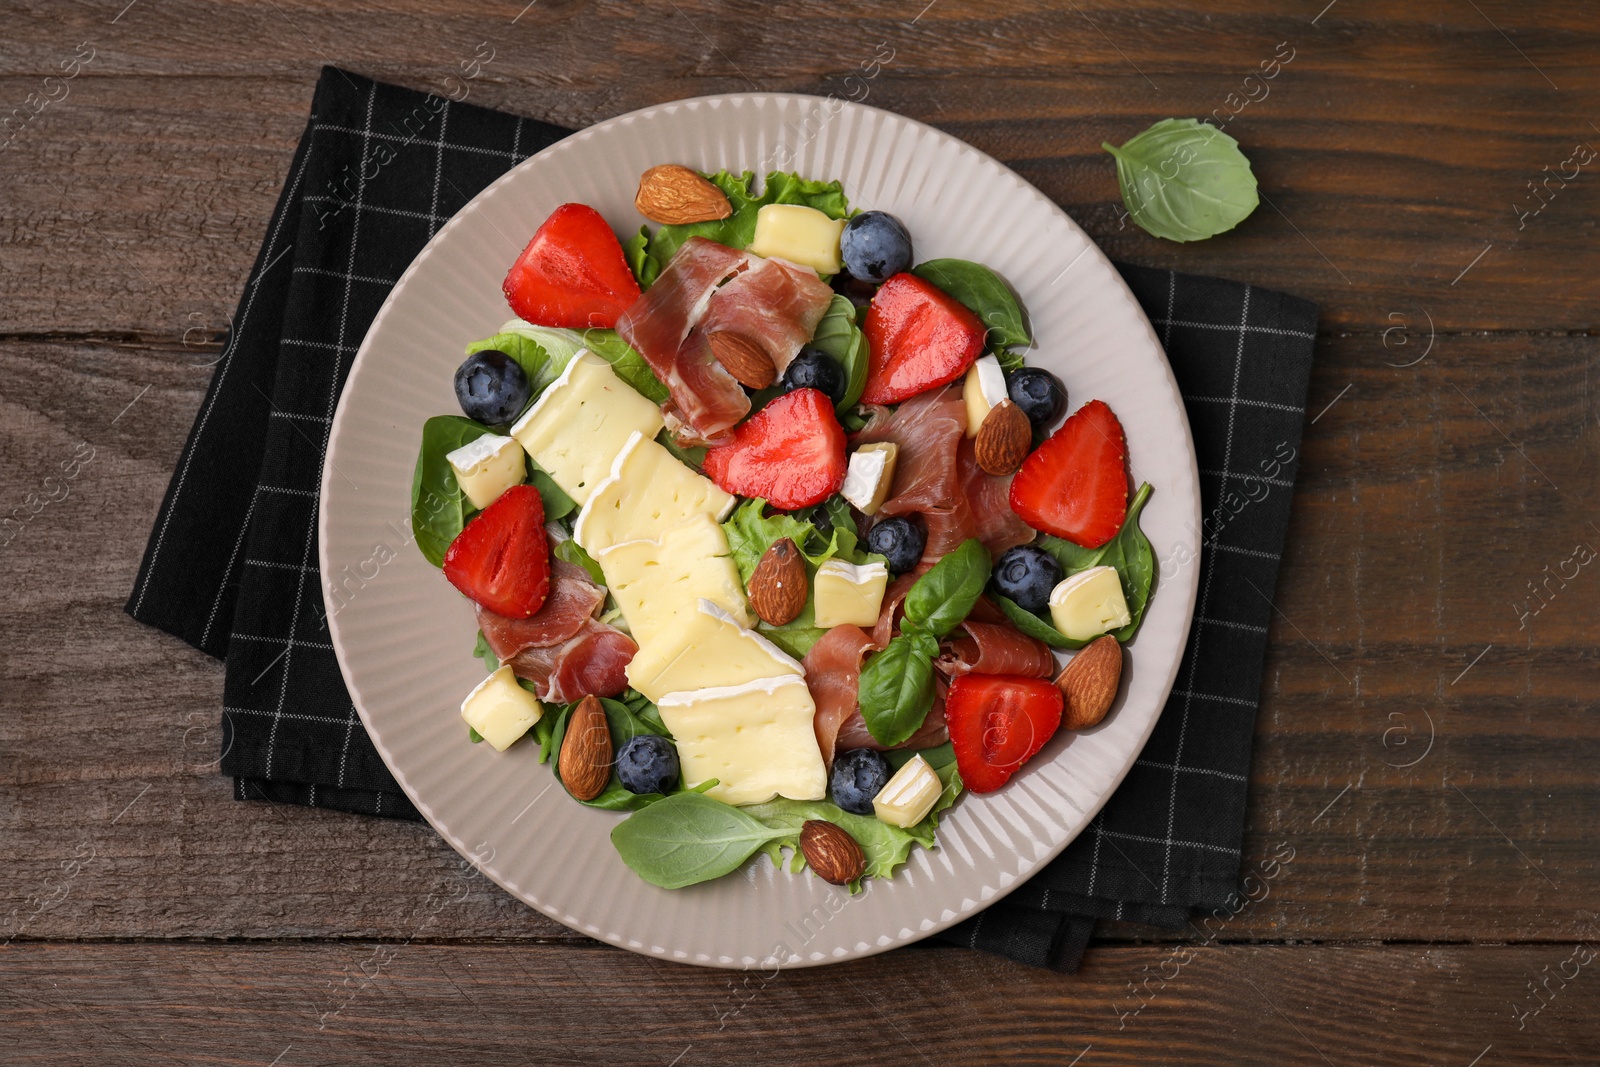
943	597
688	838
896	690
1129	552
1184	180
838	336
649	255
439	508
985	294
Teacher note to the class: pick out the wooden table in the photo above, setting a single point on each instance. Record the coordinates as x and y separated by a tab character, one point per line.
1427	743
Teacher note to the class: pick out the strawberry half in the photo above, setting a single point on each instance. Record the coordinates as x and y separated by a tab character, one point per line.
502	558
572	273
919	337
791	453
1075	485
997	722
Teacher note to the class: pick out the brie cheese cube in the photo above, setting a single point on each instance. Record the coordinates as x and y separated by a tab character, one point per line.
755	739
985	388
799	234
906	799
500	709
1089	604
648	492
870	476
846	593
580	423
706	649
487	467
657	583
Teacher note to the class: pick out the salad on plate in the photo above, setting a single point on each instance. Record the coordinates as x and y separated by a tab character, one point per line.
774	539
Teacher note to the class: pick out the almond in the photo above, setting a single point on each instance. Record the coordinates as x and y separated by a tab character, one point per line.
585	762
674	195
1003	439
1090	683
832	852
779	586
741	357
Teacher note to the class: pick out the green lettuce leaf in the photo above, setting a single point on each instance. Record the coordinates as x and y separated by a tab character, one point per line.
839	336
559	346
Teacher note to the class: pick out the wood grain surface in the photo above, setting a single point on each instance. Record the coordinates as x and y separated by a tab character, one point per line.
1426	743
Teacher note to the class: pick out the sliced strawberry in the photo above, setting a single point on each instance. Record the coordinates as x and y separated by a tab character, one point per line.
502	559
919	337
1075	485
791	453
572	273
997	722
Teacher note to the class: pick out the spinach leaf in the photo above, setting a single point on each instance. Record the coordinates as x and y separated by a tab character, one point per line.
438	507
557	504
482	650
896	690
1129	552
938	757
473	735
694	457
838	336
624	724
688	838
569	551
1034	626
561	345
985	294
886	847
1184	180
943	597
650	257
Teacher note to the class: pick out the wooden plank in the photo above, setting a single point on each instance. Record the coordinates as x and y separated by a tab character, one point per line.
318	1003
1395	147
1416	527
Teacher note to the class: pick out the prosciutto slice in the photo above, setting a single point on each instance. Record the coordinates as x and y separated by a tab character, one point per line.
704	401
775	304
938	475
995	648
562	649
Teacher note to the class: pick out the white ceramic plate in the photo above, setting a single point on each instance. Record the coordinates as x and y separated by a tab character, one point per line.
404	636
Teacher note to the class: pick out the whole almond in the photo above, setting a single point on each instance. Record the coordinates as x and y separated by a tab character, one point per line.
832	852
779	586
585	762
674	195
1090	683
741	357
1003	439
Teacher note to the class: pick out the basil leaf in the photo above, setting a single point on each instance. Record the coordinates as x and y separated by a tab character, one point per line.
943	597
688	838
985	294
557	504
439	509
560	345
838	336
739	228
896	691
1129	552
1184	180
1034	626
569	551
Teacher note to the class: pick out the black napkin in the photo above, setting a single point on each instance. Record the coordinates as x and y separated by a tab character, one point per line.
231	566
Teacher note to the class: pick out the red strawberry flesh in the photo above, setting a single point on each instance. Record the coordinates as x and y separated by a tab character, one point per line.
997	723
790	453
919	337
1075	485
572	274
501	559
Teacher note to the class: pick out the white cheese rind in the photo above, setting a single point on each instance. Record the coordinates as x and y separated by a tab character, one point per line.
577	427
870	476
984	389
658	582
707	649
846	593
487	466
500	709
756	739
906	799
648	491
1089	604
799	234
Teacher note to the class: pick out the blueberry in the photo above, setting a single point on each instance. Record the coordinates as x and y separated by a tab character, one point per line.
491	387
814	369
900	541
647	764
1039	394
1027	574
875	246
858	775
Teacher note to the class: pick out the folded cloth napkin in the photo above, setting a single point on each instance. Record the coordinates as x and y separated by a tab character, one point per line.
231	565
